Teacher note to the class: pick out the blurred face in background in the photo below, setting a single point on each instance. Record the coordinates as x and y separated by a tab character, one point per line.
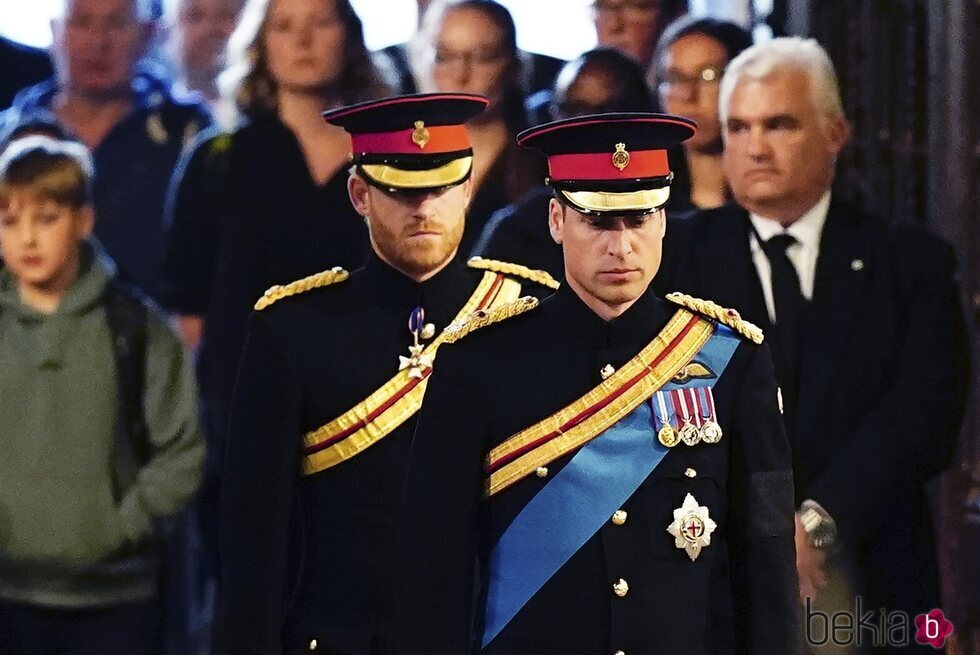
630	26
470	55
689	77
96	45
590	92
198	36
780	148
40	237
304	43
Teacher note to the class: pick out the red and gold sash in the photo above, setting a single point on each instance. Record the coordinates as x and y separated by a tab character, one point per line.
575	425
399	398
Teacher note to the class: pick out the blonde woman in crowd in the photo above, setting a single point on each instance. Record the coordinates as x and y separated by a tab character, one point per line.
267	203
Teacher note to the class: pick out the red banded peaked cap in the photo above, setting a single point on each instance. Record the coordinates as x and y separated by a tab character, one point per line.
417	127
615	147
413	142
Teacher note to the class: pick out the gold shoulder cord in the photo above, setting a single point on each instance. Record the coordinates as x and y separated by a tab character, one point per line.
482	318
539	277
729	317
315	281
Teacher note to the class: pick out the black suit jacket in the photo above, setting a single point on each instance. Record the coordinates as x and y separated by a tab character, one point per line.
882	378
738	596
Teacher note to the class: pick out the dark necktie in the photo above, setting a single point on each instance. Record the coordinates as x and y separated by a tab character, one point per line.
790	307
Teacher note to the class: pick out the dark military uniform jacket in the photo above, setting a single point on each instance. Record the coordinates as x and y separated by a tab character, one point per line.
306	559
739	595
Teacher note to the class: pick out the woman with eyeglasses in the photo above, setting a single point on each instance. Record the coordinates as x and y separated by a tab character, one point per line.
471	46
690	58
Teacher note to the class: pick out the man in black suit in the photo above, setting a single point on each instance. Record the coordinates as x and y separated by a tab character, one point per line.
866	329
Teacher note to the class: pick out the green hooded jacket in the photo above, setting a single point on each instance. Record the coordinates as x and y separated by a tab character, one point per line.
66	539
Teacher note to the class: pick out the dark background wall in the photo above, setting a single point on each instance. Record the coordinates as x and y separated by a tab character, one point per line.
910	77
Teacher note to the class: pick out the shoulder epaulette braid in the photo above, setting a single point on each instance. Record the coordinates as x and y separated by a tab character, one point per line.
315	281
482	318
539	277
729	317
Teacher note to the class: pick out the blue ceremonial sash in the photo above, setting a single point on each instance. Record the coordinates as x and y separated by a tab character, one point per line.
579	500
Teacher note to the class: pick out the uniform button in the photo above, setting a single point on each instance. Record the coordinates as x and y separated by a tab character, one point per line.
620	652
607	371
542	472
313	644
690	473
621	588
619	517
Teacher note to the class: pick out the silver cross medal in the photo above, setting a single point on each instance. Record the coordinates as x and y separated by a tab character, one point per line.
417	361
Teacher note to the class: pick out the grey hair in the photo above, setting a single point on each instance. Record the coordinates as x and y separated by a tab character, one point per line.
785	53
142	9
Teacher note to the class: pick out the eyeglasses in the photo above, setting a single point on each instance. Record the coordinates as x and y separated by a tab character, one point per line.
675	82
481	57
636	11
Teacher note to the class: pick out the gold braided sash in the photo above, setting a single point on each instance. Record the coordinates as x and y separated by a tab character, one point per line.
615	397
398	399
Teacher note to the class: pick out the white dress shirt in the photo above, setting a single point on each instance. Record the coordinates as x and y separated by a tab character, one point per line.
802	254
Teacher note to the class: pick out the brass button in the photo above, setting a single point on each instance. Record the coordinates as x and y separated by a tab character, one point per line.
542	472
428	331
313	644
690	473
619	517
621	588
607	371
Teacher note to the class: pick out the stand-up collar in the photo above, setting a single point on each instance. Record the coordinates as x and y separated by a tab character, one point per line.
634	328
441	295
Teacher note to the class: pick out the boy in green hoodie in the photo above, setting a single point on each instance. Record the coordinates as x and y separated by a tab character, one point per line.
86	482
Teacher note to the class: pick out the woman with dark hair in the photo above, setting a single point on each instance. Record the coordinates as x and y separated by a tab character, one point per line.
690	58
471	46
267	203
598	81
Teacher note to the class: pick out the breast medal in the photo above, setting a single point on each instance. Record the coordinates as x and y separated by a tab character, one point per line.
692	527
416	362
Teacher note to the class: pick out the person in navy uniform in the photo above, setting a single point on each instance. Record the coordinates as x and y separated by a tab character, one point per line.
334	369
612	463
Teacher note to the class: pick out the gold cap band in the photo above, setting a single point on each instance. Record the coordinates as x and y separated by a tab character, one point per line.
432	178
629	201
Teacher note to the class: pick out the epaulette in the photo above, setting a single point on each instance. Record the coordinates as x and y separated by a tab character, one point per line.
482	318
539	277
315	281
729	317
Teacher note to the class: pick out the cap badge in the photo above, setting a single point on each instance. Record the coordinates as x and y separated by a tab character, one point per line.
621	158
420	136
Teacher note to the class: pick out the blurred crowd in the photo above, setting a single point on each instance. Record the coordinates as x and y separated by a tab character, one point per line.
215	177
